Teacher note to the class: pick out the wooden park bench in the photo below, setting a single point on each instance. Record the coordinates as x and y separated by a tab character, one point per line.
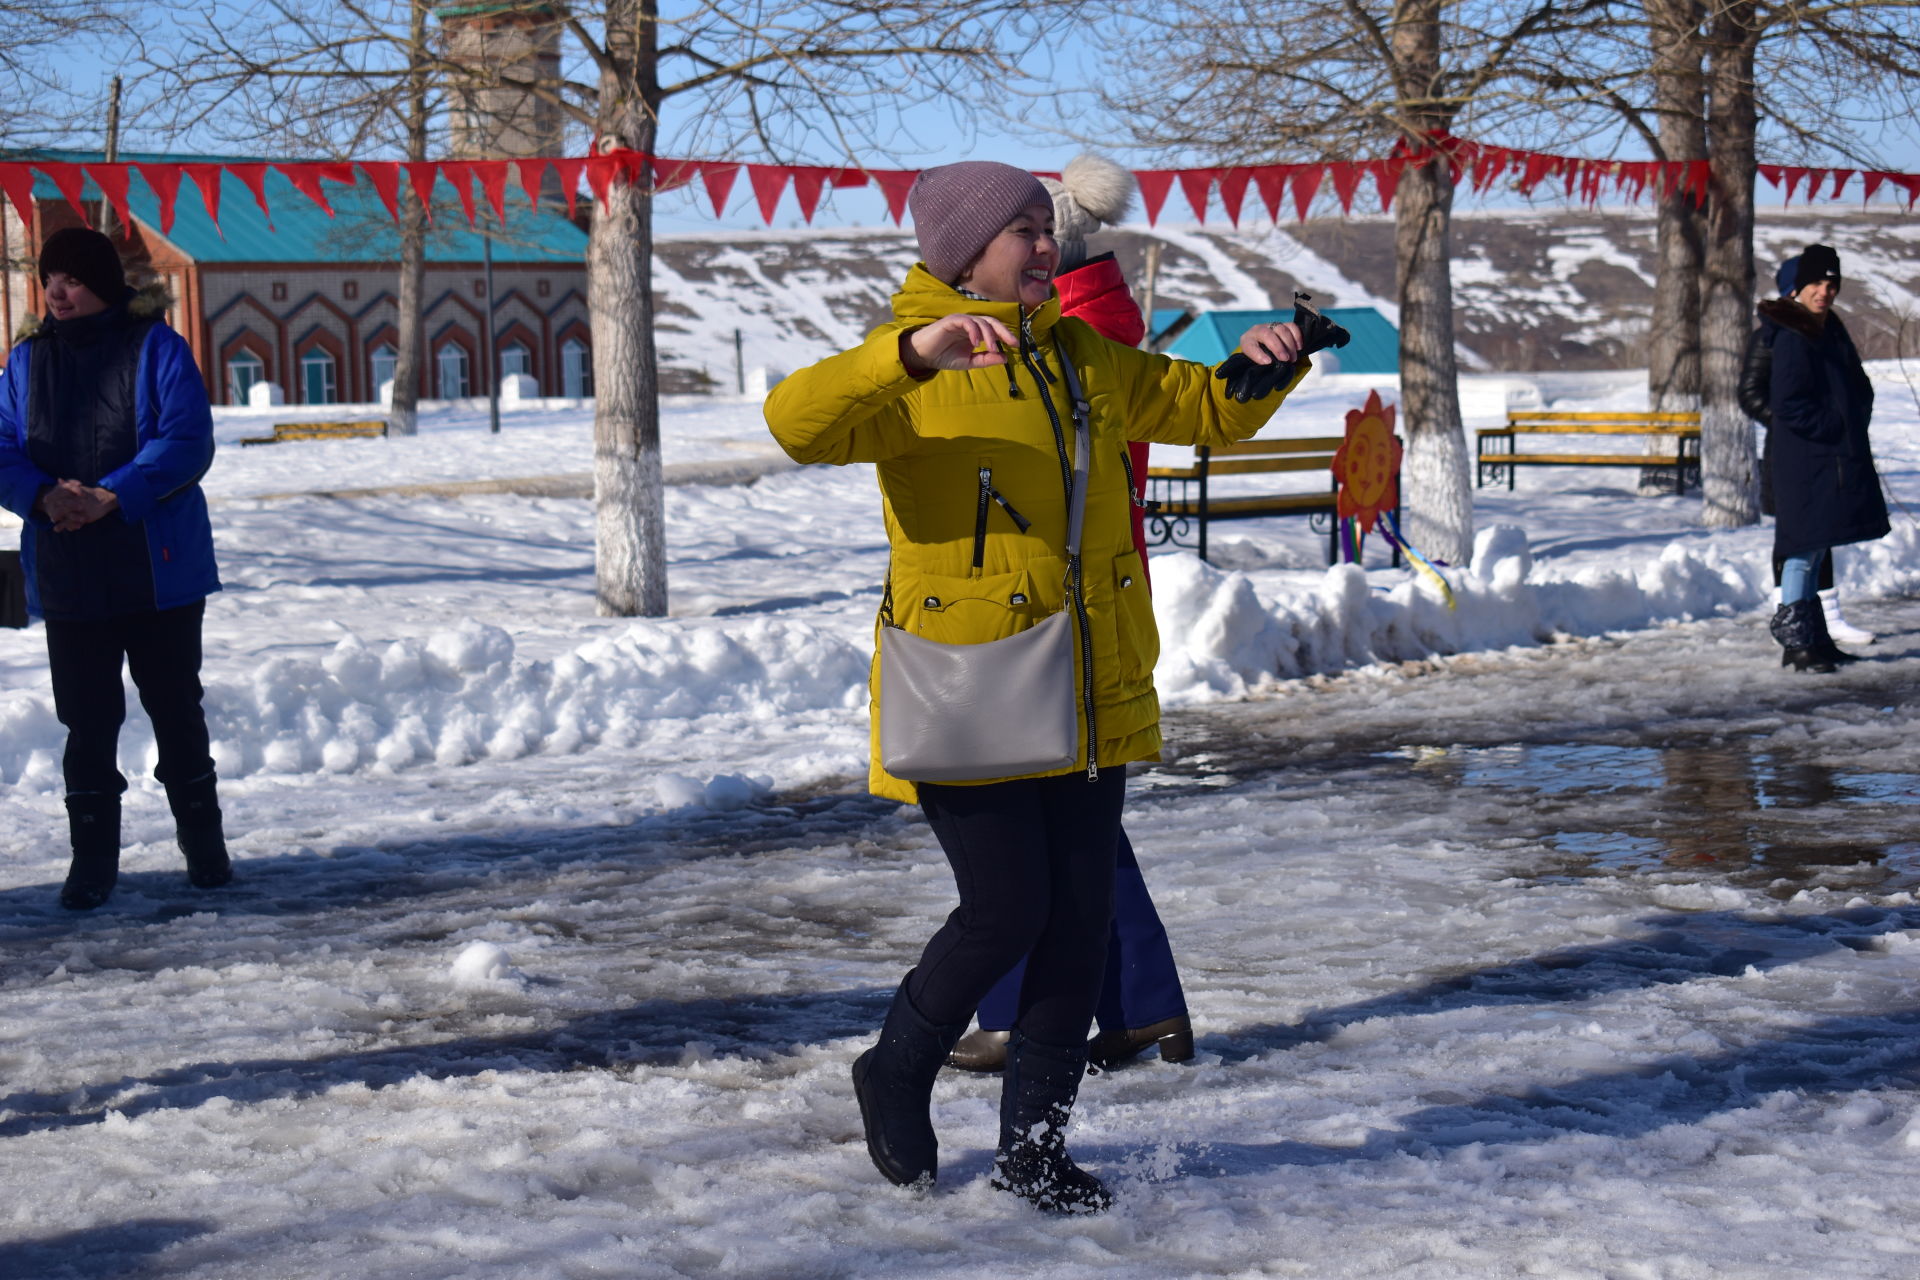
1181	501
1499	453
285	431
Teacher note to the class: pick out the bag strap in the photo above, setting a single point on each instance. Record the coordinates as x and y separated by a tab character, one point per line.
1082	450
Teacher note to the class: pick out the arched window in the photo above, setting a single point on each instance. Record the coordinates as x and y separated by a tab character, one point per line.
382	361
243	370
516	358
452	363
576	369
317	381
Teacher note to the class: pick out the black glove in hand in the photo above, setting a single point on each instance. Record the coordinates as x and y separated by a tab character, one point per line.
1249	381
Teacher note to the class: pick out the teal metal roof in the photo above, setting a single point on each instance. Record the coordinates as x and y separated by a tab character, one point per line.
301	231
1214	334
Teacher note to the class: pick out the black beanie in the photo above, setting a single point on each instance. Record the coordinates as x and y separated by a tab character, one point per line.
1817	262
88	257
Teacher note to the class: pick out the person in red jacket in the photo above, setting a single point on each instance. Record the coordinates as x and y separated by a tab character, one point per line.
1141	1001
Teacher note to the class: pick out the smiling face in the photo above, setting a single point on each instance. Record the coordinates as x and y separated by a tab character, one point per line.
1017	265
1818	297
68	299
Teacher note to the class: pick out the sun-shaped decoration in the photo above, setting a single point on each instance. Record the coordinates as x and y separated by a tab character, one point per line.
1368	464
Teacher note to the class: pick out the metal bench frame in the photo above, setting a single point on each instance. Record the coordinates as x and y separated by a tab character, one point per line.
1497	454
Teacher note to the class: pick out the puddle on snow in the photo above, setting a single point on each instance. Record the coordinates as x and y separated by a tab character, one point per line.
1748	809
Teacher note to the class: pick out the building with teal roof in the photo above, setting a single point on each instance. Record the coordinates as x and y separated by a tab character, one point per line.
1375	347
306	301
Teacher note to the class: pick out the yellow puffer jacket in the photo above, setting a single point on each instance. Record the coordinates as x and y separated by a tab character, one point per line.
1000	437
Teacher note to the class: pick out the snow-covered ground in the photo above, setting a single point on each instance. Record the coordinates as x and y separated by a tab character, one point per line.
1558	934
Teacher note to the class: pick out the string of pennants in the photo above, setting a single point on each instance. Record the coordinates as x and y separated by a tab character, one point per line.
1479	165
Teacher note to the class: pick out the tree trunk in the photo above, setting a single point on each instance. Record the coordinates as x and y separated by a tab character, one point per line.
1729	478
1673	354
404	413
1437	479
630	560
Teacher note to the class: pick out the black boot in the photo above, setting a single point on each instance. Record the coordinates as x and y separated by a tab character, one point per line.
1824	647
93	821
196	819
1799	628
1036	1100
894	1083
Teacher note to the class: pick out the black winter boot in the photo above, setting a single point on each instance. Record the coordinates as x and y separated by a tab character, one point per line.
1036	1100
196	819
1799	628
894	1083
93	822
1824	647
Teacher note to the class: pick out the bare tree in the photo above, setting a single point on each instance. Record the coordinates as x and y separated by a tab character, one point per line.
37	44
1340	78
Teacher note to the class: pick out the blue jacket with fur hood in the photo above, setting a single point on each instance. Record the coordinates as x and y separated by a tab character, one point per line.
112	400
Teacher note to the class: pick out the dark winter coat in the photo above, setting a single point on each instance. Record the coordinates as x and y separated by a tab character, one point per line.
113	400
1826	490
1756	401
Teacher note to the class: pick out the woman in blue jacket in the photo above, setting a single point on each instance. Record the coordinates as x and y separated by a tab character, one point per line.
1826	491
105	432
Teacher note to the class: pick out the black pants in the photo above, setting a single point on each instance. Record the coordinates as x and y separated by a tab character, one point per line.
1033	860
162	651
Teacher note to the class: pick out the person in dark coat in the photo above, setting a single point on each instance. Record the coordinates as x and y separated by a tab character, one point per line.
1141	1004
1826	490
105	432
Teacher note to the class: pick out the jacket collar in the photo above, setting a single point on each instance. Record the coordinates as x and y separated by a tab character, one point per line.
924	298
1789	314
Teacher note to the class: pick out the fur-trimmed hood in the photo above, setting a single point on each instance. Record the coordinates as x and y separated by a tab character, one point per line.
148	302
1789	314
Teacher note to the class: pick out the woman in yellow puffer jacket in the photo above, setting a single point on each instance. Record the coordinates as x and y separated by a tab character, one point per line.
961	400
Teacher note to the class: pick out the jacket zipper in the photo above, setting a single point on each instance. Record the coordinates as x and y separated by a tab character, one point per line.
980	520
1075	587
1133	490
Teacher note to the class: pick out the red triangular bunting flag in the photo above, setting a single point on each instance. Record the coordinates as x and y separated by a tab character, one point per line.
895	183
569	174
71	182
493	181
17	181
768	181
532	173
1306	184
1773	173
848	178
1271	181
1871	181
1840	177
1795	173
384	177
1233	191
1537	169
601	171
719	180
1346	182
1386	178
255	178
671	175
421	175
808	180
164	181
206	179
1154	185
1700	179
306	180
1196	183
112	181
459	176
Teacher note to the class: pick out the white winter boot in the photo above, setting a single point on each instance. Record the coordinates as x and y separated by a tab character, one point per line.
1838	627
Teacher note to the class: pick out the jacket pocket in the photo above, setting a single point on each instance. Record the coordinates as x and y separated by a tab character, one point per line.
1139	635
967	610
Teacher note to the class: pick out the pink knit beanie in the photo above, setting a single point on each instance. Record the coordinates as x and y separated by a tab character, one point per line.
959	208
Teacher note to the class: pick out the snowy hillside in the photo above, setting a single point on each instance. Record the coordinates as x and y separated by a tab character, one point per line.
1547	290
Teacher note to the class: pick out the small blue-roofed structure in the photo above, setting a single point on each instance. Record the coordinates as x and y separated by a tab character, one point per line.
1375	347
306	302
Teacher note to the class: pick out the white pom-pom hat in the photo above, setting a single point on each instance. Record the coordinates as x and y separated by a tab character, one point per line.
1091	192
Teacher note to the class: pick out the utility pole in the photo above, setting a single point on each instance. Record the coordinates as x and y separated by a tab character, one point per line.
486	336
112	154
739	365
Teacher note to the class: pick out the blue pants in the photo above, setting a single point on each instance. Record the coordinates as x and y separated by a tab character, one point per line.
1800	576
1141	987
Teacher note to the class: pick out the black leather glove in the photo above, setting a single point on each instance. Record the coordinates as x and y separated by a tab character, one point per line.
1249	381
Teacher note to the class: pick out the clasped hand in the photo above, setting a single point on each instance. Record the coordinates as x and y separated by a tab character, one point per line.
955	343
72	505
